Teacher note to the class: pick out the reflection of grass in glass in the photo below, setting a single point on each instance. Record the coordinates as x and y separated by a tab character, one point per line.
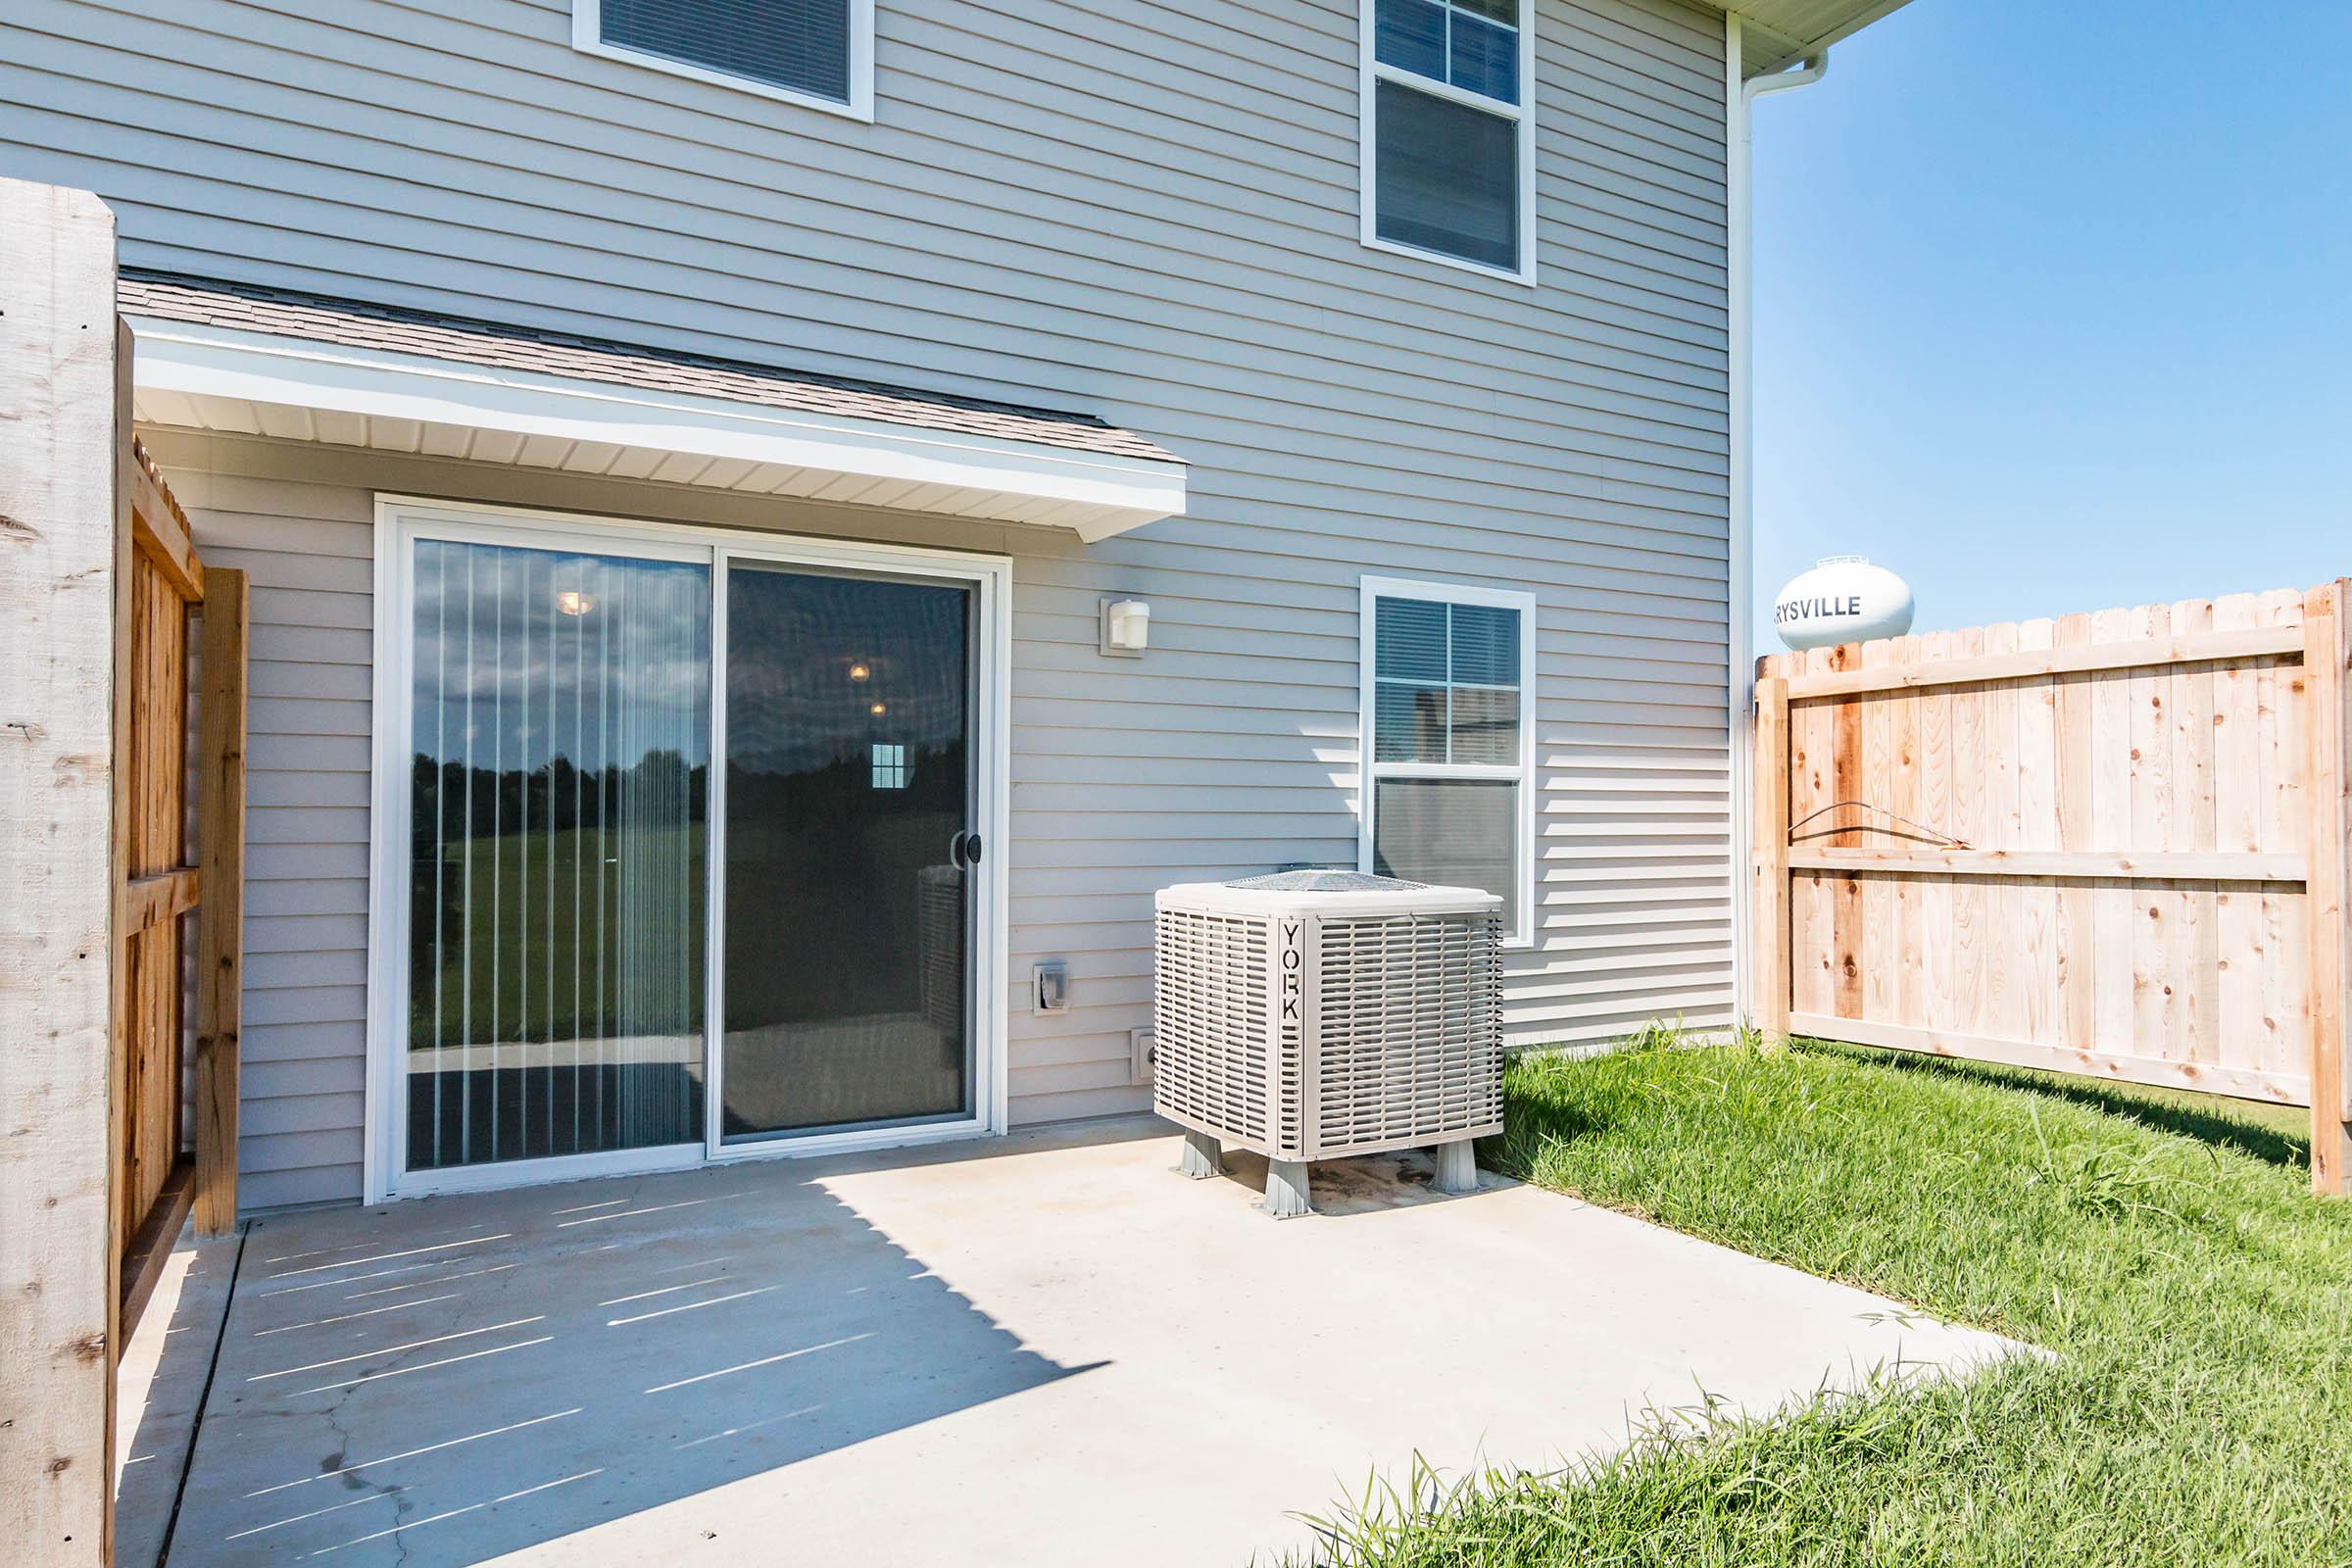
549	940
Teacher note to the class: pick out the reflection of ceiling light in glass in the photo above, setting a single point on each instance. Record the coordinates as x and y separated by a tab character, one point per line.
572	601
859	672
878	710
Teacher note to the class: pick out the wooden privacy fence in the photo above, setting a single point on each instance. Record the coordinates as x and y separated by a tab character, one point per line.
98	581
161	1170
2111	844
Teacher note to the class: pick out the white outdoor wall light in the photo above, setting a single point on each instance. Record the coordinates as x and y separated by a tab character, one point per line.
1126	627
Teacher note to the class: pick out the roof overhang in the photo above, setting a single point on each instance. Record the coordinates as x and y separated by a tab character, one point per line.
1777	34
215	378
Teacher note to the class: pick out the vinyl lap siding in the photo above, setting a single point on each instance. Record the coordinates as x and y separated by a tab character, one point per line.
1146	210
309	679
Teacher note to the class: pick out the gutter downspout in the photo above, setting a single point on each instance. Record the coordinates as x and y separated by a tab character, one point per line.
1738	93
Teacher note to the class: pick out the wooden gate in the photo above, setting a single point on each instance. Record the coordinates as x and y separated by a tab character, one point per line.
2112	843
161	1170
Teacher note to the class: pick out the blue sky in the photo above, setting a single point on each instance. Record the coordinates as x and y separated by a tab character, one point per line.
2054	305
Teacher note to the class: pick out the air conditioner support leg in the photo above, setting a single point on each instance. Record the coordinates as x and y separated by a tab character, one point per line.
1202	1157
1288	1195
1458	1167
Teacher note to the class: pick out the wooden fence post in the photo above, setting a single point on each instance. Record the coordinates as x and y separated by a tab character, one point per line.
61	387
2326	650
219	918
1770	969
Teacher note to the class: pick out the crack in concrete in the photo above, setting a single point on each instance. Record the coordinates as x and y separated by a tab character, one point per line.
354	1477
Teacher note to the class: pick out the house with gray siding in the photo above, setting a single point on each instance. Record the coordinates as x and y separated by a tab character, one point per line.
776	526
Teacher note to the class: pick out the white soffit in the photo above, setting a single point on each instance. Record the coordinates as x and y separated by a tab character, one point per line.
215	378
1777	34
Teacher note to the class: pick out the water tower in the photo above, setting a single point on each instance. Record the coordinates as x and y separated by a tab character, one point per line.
1844	599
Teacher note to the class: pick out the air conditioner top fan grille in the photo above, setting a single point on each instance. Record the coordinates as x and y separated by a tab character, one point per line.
1326	882
1331	895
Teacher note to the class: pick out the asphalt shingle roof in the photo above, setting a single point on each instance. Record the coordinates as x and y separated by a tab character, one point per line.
356	323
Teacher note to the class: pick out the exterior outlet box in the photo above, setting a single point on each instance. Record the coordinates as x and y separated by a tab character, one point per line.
1053	987
1140	1045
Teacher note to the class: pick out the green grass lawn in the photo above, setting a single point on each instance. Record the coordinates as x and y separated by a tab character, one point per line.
2198	1407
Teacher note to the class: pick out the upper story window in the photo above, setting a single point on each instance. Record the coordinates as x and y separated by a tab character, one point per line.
1448	676
814	52
1448	156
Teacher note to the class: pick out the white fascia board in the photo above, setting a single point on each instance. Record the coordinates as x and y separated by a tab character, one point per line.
1106	494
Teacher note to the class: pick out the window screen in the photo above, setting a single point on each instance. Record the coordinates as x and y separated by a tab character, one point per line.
800	44
1459	833
1446	168
1447	754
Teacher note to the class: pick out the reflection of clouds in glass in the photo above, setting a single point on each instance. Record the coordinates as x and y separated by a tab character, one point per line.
501	669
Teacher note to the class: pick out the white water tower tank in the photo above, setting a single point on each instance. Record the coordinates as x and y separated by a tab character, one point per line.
1844	599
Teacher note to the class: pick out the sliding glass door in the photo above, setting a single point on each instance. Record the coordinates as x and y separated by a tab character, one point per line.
688	855
561	732
849	846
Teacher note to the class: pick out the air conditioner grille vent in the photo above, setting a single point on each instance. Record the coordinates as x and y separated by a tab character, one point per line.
1212	1062
1410	1021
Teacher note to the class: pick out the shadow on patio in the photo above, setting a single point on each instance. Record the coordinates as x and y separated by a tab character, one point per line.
458	1379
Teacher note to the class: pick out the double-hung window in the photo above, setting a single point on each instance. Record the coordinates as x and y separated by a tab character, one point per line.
1449	141
1448	676
814	52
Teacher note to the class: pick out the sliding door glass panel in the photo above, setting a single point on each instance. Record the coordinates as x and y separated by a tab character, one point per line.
557	876
849	905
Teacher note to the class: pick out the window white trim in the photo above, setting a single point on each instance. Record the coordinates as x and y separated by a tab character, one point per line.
402	519
587	37
1372	71
1374	589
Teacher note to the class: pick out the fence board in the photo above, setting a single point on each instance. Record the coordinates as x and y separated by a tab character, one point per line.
1903	801
162	886
2107	843
219	936
2284	826
2328	651
1874	979
1969	822
1809	900
1933	791
2147	648
2071	718
62	389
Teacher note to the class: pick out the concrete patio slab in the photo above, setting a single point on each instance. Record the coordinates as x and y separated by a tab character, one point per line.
158	1386
1045	1350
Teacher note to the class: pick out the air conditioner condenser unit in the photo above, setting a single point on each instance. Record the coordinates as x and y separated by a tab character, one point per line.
1315	1015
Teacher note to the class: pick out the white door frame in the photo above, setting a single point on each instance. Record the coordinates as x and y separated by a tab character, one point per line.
402	519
